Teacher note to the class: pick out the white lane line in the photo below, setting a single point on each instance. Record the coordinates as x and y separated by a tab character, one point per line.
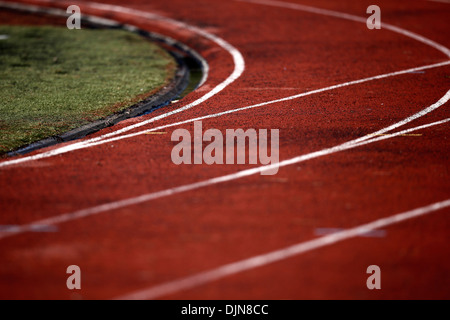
33	228
328	231
91	142
278	255
423	112
206	183
341	15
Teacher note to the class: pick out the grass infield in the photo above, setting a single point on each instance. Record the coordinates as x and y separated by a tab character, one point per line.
53	79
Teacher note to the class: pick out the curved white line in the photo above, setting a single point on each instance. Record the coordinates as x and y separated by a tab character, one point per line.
95	141
278	255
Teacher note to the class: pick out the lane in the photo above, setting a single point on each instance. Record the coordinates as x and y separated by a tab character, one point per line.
275	256
328	274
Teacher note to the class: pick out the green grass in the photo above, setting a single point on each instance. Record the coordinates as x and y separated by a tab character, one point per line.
53	79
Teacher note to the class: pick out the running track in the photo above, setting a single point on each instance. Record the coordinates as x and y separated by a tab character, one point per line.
362	117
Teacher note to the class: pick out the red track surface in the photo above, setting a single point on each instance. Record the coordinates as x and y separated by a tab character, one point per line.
286	52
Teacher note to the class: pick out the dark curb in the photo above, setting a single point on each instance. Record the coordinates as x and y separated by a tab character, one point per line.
160	99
